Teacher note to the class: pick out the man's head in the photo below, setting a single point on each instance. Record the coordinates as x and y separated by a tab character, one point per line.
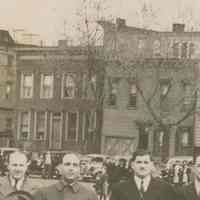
141	163
18	164
70	167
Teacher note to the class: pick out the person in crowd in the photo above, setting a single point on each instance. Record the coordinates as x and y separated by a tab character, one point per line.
192	191
16	179
142	186
67	187
48	165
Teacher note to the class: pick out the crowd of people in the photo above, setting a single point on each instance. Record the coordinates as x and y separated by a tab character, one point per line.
134	180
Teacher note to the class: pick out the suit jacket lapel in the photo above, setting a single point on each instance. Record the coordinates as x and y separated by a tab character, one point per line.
152	190
132	190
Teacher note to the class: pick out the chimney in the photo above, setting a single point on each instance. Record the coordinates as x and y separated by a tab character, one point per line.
178	28
120	23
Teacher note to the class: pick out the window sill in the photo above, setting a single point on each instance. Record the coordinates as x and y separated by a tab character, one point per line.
111	107
131	107
46	98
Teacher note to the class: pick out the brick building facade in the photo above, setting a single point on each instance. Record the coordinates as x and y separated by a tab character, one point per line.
55	109
150	87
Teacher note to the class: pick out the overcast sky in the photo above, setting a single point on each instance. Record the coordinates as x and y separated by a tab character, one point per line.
46	17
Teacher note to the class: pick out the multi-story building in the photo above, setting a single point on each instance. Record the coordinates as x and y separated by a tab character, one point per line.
150	87
55	108
7	88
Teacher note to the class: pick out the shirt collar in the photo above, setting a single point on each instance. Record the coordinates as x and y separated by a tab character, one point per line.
146	182
62	184
20	182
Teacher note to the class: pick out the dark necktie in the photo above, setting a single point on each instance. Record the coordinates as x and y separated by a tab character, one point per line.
142	189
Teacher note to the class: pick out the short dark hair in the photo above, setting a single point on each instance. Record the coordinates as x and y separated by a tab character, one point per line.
141	152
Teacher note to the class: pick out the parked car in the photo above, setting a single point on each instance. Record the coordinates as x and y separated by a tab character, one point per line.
178	160
95	166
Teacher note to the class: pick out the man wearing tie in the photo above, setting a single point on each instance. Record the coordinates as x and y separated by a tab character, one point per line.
142	186
16	179
192	191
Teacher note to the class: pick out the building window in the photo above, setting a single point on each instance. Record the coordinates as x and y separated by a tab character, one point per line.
132	95
112	96
24	128
8	89
191	50
156	48
41	120
185	139
10	60
71	127
92	121
46	90
8	125
27	86
84	85
69	85
3	59
184	50
175	50
141	44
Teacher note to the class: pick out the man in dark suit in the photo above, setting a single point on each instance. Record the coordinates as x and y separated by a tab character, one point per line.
142	186
192	191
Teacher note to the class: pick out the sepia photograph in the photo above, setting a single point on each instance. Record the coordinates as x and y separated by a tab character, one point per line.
100	100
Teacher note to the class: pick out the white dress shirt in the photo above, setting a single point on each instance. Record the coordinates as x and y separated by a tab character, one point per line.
146	181
19	183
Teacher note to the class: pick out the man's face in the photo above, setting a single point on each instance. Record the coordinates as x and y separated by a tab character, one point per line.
71	167
142	166
17	166
196	168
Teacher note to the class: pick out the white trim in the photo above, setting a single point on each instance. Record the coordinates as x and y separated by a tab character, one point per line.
77	125
62	86
61	128
35	125
29	125
66	126
45	124
18	125
50	131
83	126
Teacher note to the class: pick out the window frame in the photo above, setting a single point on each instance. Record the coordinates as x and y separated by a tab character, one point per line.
20	125
42	96
22	86
36	125
63	86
